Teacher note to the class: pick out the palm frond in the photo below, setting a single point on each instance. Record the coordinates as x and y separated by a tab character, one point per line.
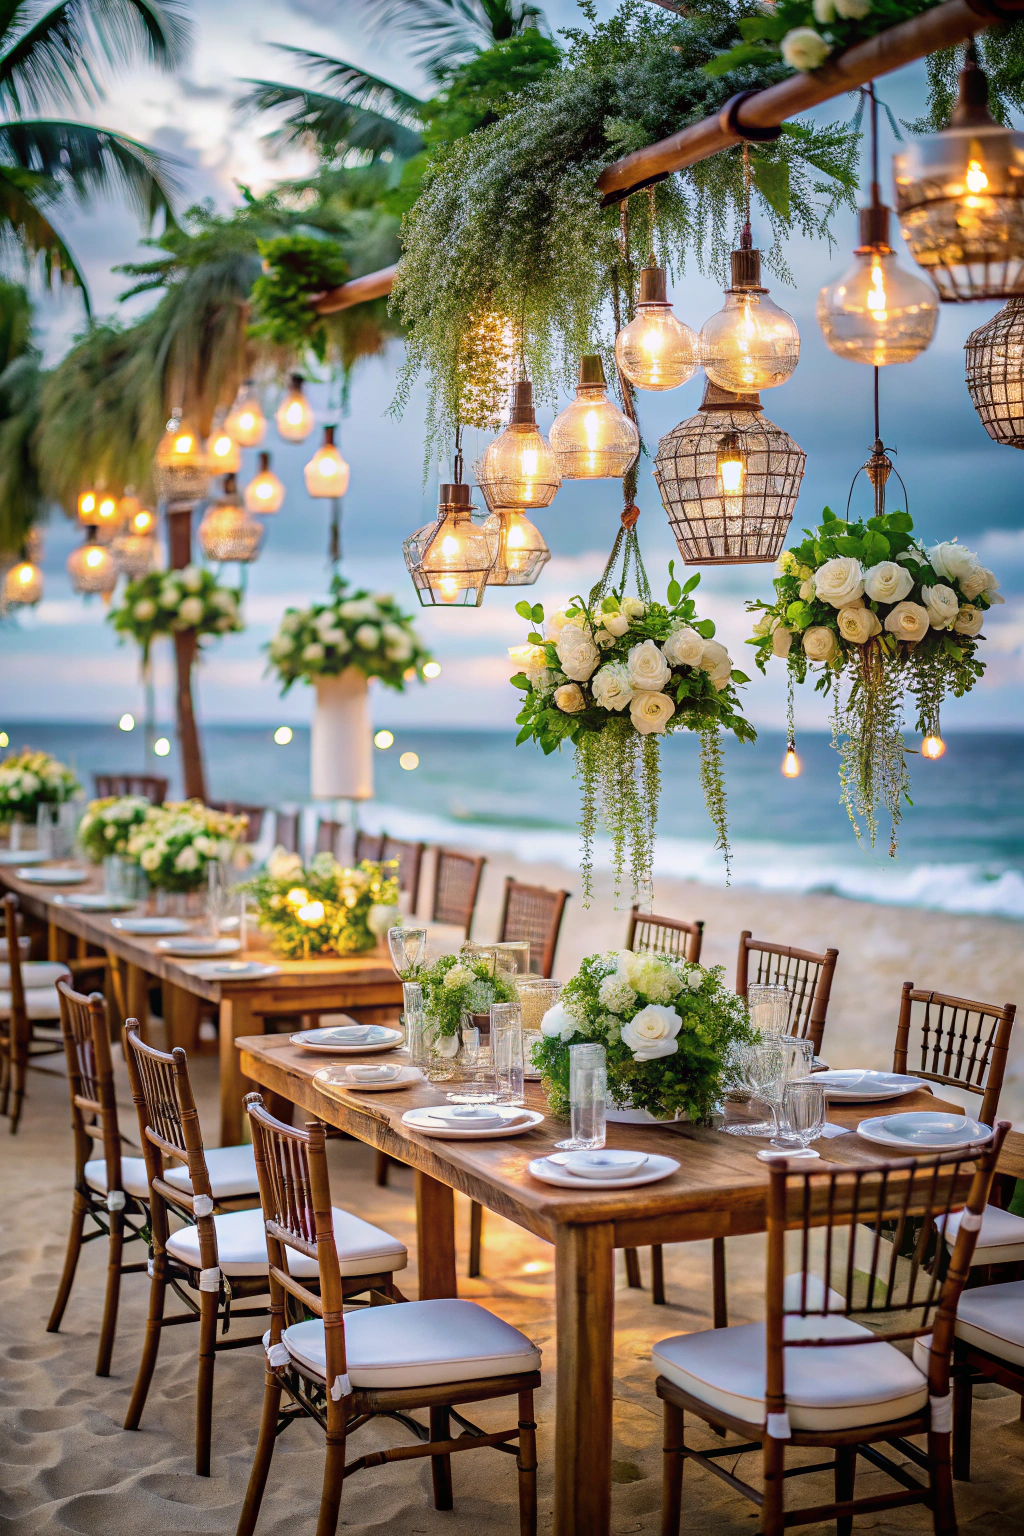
83	162
22	501
60	56
25	230
15	322
332	126
448	33
357	87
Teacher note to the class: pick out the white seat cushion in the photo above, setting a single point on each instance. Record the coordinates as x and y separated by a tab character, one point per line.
133	1176
838	1388
793	1290
232	1171
40	1003
418	1344
35	973
991	1317
1000	1241
242	1246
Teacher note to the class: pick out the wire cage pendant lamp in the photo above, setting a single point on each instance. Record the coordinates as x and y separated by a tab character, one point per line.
450	560
995	374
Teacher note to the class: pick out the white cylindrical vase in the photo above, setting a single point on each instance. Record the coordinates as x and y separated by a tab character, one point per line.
341	739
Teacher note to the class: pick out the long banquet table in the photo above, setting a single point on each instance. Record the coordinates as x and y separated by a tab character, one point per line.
719	1191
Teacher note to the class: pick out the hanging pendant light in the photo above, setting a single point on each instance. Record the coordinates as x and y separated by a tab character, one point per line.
87	502
294	416
228	532
179	469
592	439
877	312
245	423
134	547
960	198
449	561
23	584
519	468
751	344
656	350
107	517
92	567
729	479
264	493
522	551
327	473
223	456
791	764
995	374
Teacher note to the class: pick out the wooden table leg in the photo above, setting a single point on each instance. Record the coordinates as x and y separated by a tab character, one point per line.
435	1238
584	1280
236	1018
58	943
181	1018
137	996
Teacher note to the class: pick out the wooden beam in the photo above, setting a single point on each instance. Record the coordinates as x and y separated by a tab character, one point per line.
374	285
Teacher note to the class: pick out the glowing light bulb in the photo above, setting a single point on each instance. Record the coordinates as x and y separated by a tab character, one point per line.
143	521
245	422
222	453
383	740
751	344
976	179
432	669
297	896
87	508
126	723
592	439
283	735
23	584
180	469
24	575
449	560
264	493
162	747
449	588
450	547
933	747
791	765
655	350
732	466
519	469
877	312
294	416
312	913
327	473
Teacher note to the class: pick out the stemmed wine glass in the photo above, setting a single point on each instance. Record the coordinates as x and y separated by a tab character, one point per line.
407	947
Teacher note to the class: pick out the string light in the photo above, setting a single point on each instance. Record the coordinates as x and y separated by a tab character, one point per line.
245	422
294	416
933	747
592	438
264	493
327	473
656	350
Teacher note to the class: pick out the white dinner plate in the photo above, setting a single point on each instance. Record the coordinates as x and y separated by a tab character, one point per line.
149	926
93	901
377	1038
925	1130
656	1167
516	1122
852	1086
337	1077
232	970
198	949
23	856
63	874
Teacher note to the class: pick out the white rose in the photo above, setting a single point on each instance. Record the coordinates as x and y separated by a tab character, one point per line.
803	48
782	640
604	640
358	608
224	623
651	712
647	667
953	561
569	698
980	580
807	589
145	610
839	581
824	12
191	612
223	599
684	647
577	653
611	685
652	1033
557	1024
192	578
942	605
717	663
393	633
324	621
969	620
188	859
615	623
313	652
887	582
530	659
169	596
555	623
381	917
150	859
633	608
291	622
908	621
281	646
858	624
853	10
368	636
820	643
335	637
282	865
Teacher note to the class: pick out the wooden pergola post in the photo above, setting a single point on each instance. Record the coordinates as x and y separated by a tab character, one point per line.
179	554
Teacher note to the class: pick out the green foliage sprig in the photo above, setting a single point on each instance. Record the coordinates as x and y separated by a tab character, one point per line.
362	629
295	268
459	984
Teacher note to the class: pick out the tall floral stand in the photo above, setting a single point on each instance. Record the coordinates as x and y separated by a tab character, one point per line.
341	741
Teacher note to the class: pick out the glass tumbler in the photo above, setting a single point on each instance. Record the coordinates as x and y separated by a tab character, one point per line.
804	1108
536	995
507	1052
800	1058
768	1007
588	1096
415	1019
760	1069
407	947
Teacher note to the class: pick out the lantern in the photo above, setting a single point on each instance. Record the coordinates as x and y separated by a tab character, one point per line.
92	567
134	547
960	199
655	350
23	584
519	469
995	374
107	517
522	552
729	479
128	507
877	312
245	423
449	561
294	416
228	531
327	474
87	508
592	439
264	493
179	470
222	453
751	344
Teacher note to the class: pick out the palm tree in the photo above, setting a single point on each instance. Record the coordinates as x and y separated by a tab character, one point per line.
51	60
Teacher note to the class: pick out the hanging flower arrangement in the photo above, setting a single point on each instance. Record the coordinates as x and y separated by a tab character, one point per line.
323	908
172	602
361	629
108	824
175	843
878	616
612	674
30	779
668	1029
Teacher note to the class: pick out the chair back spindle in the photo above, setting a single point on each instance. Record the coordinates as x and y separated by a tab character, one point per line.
83	1022
533	913
327	835
954	1041
807	975
368	845
146	785
673	937
456	887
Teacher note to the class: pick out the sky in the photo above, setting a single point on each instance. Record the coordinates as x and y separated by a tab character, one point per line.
61	661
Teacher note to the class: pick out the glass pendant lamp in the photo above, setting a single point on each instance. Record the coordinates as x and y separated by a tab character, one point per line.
877	313
222	453
522	551
179	469
87	503
23	584
592	439
751	344
327	473
519	469
995	374
449	560
107	517
264	493
294	416
92	567
228	532
245	423
656	350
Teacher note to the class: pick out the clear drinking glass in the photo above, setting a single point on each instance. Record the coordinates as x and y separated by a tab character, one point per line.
759	1070
123	880
804	1108
507	1052
512	958
800	1055
474	1067
407	946
415	1019
536	995
768	1007
588	1096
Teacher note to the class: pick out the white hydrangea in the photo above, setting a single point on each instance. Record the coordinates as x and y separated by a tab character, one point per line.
616	994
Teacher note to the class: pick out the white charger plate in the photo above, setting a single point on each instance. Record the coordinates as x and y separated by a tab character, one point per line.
23	856
66	874
93	901
198	949
149	927
925	1130
852	1086
316	1040
656	1168
420	1120
337	1077
232	970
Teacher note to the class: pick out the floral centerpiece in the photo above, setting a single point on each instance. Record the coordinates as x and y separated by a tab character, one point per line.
175	843
108	825
879	616
668	1028
29	779
613	674
361	629
324	908
456	985
173	602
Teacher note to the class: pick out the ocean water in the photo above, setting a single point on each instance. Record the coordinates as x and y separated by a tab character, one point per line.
961	844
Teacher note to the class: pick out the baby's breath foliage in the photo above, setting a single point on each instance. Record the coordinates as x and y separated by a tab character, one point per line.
510	221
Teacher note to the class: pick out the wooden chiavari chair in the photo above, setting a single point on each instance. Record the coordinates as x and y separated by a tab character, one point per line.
148	785
286	830
807	975
410	864
28	1000
220	1255
111	1191
457	879
988	1346
815	1374
368	845
343	1369
253	813
534	913
327	835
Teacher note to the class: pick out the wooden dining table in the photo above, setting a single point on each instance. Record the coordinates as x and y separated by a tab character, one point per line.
720	1190
362	985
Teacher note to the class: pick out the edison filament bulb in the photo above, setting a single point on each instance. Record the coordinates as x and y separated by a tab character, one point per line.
656	350
449	560
751	344
245	423
592	438
294	416
327	473
519	469
877	313
264	493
